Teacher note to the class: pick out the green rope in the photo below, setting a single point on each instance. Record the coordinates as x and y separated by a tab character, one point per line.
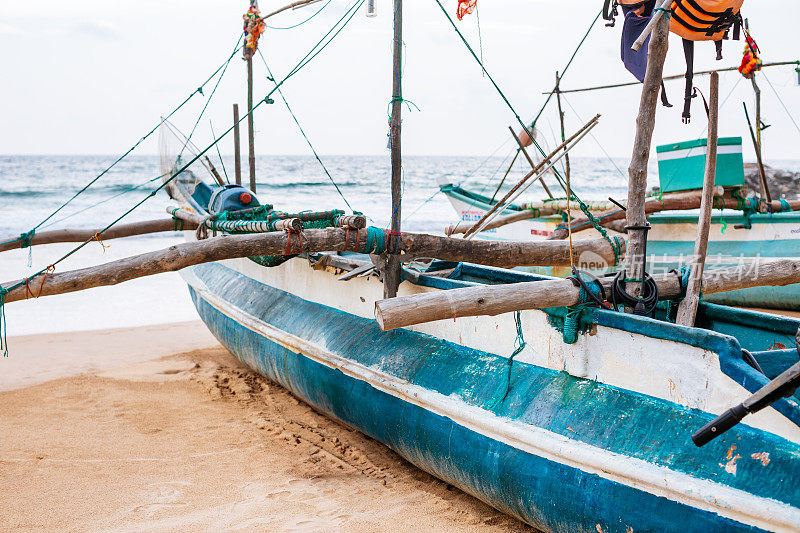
303	133
321	44
672	305
519	345
199	90
499	91
402	100
376	241
566	68
572	317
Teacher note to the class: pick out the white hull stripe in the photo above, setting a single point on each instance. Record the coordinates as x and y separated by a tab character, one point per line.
698	151
660	481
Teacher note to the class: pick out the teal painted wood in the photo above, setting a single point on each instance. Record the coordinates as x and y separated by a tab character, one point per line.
545	493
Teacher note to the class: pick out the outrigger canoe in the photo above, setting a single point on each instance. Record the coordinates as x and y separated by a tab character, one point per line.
568	424
734	240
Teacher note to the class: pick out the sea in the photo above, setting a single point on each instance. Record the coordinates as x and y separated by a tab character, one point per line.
47	192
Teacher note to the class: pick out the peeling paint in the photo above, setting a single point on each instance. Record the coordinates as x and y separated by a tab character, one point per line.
730	465
761	456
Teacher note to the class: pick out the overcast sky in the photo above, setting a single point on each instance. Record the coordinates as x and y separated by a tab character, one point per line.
89	76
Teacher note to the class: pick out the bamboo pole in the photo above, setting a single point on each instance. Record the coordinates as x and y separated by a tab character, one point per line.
645	123
281	243
115	232
508	170
490	300
293	5
762	174
687	310
500	207
673	77
214	172
527	176
237	149
392	270
528	157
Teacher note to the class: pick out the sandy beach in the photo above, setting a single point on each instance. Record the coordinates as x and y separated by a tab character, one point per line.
159	428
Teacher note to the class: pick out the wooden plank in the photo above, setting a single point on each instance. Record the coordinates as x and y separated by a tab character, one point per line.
115	232
687	310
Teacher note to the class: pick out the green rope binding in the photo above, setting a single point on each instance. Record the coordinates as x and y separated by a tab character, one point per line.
672	305
574	313
519	345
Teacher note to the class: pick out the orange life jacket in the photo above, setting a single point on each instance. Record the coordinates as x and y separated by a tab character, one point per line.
704	20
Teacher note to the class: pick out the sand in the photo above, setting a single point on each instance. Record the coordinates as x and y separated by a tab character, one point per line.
150	439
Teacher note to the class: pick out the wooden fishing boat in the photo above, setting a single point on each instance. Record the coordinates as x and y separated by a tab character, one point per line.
587	436
563	410
736	238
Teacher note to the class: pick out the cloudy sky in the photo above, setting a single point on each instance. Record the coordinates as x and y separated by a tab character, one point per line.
92	77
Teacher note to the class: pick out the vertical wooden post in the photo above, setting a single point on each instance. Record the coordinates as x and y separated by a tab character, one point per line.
250	128
765	193
688	307
637	172
237	149
561	120
392	272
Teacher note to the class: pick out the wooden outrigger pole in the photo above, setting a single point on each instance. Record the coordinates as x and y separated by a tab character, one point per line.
392	272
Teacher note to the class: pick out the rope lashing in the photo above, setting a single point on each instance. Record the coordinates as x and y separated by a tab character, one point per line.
376	241
97	238
25	239
785	207
393	236
402	100
591	295
672	305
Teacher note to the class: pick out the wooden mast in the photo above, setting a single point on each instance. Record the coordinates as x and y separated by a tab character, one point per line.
687	310
250	126
237	148
391	275
637	172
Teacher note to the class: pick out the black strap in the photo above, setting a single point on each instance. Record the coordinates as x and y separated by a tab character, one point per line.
688	52
664	100
718	44
610	12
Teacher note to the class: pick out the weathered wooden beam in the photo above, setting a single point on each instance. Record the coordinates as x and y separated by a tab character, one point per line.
392	270
490	300
687	310
502	254
546	253
181	256
115	232
645	124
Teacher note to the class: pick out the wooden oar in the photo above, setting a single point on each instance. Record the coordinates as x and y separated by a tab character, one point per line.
115	232
412	245
492	300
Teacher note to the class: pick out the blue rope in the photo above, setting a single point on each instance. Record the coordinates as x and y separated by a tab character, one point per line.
519	345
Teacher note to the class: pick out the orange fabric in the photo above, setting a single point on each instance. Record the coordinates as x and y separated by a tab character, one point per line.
465	7
687	19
